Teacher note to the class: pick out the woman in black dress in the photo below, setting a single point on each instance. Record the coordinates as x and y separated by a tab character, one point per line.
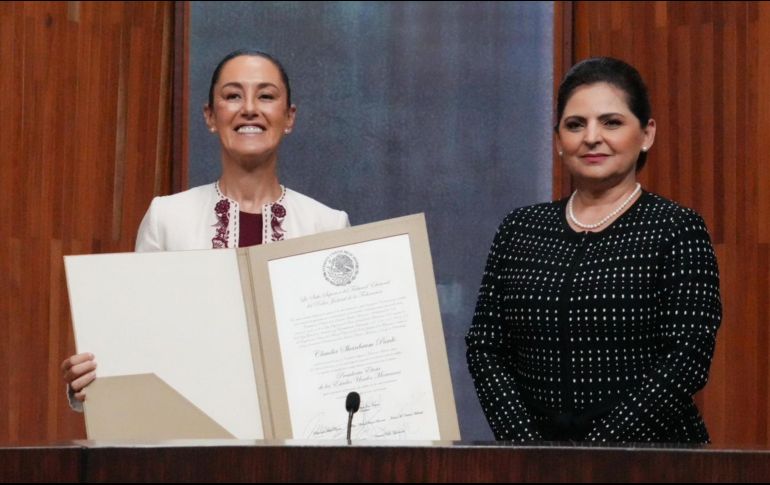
597	314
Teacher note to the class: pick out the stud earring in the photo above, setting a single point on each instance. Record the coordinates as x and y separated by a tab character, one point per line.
644	149
561	153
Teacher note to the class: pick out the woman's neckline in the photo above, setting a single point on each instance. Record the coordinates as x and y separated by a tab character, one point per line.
569	230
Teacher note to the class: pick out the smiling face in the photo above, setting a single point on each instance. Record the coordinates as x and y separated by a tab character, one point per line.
600	137
250	112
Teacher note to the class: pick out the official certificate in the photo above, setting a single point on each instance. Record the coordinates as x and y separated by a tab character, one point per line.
348	319
267	341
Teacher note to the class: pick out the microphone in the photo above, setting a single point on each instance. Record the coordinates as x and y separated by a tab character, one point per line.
351	406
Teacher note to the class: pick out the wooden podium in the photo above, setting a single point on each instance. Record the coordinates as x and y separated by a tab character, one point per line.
293	461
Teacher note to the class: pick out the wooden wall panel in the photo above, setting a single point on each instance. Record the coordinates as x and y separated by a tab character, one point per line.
181	95
707	65
86	141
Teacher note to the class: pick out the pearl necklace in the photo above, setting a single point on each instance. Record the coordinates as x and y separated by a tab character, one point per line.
609	216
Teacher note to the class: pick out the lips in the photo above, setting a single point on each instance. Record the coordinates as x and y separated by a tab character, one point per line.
594	157
250	129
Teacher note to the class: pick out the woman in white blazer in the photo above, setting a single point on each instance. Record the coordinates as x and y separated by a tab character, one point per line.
249	108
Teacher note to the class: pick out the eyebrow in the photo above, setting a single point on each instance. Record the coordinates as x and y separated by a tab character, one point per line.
601	116
259	86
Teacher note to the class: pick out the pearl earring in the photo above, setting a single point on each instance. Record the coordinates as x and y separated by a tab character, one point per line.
644	149
561	153
287	131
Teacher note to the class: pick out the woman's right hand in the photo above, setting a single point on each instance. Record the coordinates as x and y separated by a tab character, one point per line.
78	371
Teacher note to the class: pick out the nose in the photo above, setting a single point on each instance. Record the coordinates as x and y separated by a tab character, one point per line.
249	108
593	134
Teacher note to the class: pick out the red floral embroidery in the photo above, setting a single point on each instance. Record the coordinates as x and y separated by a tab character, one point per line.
279	212
222	209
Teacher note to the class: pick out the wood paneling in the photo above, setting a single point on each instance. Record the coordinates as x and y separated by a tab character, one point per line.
42	464
441	462
181	108
437	462
707	65
86	139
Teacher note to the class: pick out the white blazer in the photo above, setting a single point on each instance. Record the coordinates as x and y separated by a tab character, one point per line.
204	218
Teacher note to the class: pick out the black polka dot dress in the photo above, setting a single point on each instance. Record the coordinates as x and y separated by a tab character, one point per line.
596	336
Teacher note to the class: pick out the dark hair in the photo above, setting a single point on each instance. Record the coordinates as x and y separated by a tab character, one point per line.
250	53
611	71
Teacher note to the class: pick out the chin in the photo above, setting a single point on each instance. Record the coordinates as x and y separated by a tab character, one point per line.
604	179
595	173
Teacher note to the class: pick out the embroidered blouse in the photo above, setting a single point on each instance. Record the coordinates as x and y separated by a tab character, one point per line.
204	218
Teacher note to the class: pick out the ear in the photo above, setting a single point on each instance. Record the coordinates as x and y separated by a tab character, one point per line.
208	115
649	134
291	117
